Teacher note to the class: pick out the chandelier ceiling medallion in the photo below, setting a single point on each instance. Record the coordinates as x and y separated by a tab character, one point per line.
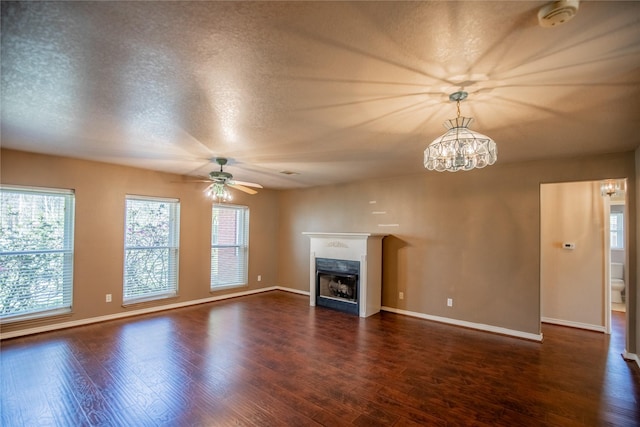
460	148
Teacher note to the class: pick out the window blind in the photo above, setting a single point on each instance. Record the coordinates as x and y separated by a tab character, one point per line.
229	246
151	248
36	252
616	222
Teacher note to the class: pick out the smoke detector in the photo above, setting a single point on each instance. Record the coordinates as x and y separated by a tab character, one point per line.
558	12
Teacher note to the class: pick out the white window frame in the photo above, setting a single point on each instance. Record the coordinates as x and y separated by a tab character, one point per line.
240	248
617	242
57	299
172	248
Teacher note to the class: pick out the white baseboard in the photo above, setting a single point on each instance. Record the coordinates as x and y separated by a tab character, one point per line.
294	291
471	325
478	326
571	324
64	325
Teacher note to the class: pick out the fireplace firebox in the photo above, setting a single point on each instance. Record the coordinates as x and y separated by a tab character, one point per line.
337	284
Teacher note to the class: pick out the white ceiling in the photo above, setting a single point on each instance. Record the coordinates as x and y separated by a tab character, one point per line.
334	91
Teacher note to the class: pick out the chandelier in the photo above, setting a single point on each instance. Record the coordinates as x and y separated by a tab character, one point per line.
612	187
219	192
460	148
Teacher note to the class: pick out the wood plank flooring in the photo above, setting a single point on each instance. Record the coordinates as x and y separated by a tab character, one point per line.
271	360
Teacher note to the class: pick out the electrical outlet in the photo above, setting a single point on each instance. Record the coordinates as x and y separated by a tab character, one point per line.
401	295
259	278
108	298
449	302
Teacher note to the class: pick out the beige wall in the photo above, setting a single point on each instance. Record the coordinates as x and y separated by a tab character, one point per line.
473	237
633	294
572	280
100	191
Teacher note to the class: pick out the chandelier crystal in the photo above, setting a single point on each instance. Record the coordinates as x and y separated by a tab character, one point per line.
460	148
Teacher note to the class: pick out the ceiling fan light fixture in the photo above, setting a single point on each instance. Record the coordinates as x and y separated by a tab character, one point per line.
219	192
221	181
460	148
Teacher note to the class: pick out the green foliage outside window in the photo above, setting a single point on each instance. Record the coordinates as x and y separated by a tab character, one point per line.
151	249
36	251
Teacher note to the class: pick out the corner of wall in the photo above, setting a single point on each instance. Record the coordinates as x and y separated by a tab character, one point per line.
634	318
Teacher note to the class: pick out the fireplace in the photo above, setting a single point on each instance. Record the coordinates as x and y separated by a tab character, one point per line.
337	284
346	271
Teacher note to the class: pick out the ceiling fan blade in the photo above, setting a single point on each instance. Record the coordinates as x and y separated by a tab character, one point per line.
245	183
197	180
242	188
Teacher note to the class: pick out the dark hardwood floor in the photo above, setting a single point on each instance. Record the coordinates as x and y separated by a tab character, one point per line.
271	360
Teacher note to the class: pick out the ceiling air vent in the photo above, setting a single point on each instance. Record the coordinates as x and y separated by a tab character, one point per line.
558	12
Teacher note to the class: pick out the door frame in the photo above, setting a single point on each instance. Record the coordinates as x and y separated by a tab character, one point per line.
606	280
607	265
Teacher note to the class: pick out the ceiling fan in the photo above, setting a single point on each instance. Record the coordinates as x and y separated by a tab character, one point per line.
220	180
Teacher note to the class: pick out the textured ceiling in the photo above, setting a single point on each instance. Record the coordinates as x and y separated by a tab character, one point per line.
334	91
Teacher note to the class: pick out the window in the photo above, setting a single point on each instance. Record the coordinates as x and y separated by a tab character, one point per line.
616	221
36	252
151	249
229	246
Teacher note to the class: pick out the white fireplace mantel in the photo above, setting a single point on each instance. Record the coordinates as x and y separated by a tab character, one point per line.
363	247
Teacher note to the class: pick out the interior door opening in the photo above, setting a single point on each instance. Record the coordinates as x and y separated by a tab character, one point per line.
583	236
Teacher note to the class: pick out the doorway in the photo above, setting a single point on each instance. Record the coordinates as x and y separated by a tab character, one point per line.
615	209
575	254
